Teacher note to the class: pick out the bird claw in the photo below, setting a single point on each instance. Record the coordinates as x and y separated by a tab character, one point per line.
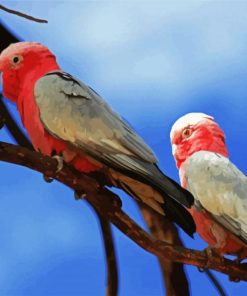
47	179
79	195
59	160
209	252
237	261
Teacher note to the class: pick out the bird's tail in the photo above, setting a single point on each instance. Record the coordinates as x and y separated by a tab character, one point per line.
159	197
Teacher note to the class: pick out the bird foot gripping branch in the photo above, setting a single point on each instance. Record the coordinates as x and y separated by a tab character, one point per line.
48	179
79	195
59	160
211	255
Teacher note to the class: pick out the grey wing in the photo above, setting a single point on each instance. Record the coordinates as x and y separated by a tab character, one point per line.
221	188
73	112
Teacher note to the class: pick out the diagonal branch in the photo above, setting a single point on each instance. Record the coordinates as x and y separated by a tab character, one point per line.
108	205
216	283
161	228
174	276
21	14
112	271
13	127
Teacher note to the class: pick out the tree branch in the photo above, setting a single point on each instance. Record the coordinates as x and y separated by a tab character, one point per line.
13	127
21	14
216	283
112	272
107	203
161	228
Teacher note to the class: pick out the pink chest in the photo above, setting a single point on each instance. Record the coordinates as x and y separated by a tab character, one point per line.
40	138
216	235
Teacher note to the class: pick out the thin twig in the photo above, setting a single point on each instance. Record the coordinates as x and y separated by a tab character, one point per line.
108	204
161	228
215	282
13	127
112	272
21	14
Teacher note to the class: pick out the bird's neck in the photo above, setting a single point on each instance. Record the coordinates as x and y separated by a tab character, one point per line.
216	145
27	81
32	74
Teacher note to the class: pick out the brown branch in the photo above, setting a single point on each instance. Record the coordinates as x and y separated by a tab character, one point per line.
108	204
174	276
112	272
21	14
13	127
215	282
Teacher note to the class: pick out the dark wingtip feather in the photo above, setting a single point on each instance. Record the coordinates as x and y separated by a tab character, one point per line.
188	197
177	213
172	188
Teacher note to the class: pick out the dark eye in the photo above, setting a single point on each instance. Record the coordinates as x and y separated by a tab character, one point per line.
186	133
16	59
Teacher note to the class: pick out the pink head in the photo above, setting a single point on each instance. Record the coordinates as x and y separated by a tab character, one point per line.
21	61
194	132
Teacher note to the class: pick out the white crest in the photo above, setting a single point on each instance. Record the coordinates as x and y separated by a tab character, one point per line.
188	119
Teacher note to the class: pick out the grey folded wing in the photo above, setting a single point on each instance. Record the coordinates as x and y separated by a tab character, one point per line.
221	188
73	112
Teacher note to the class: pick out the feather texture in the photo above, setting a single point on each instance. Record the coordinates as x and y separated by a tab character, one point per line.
74	113
221	188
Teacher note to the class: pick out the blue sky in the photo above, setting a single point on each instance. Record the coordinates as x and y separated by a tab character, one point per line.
153	61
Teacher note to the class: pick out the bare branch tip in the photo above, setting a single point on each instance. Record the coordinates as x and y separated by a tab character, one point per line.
24	15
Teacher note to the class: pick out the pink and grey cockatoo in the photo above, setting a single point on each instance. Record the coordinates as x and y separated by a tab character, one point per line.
218	186
65	117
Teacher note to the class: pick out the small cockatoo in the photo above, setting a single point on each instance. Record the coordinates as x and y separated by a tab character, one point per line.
218	186
65	117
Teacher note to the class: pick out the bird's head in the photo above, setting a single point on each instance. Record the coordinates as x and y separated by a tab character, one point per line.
195	132
21	61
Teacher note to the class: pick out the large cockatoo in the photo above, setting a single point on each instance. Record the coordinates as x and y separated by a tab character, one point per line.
65	117
218	186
